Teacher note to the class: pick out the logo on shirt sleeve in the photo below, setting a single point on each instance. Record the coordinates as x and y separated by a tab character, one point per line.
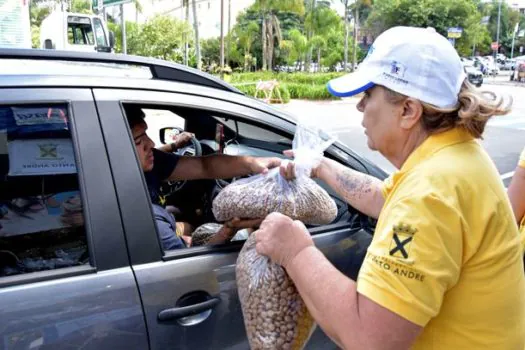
402	237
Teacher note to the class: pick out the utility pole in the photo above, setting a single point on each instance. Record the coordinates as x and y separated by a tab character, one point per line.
222	39
229	30
346	36
186	36
356	28
497	31
123	21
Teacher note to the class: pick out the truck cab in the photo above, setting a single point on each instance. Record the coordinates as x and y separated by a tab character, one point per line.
76	32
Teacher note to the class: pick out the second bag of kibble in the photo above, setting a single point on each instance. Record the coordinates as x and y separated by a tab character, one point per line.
275	316
301	199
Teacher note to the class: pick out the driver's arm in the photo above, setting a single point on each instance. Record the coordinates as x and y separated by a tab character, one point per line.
211	167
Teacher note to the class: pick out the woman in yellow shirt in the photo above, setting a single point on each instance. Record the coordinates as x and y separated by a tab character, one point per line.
444	269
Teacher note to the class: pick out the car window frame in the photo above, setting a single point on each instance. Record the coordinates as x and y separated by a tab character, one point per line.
143	249
102	219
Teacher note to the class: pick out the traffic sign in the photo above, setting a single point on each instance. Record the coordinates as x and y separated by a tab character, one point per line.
107	3
455	32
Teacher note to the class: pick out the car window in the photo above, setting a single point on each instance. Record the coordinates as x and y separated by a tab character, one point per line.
253	132
41	213
161	118
99	32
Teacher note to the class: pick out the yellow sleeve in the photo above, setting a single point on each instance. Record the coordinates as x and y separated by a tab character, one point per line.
414	258
387	185
521	162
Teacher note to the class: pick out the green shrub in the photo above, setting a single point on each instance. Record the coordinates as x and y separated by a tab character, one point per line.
250	91
302	78
309	92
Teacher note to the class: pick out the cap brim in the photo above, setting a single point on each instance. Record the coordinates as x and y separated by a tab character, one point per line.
350	84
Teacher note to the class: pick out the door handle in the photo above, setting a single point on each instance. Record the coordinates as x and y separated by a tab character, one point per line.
184	311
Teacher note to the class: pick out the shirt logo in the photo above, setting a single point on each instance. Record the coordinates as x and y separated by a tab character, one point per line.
397	69
401	240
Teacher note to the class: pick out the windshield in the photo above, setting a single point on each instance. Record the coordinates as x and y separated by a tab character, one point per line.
79	31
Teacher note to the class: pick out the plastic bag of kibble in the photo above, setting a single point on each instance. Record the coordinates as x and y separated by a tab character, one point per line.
275	315
204	233
301	199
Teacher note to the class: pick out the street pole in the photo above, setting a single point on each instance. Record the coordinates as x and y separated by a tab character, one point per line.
186	36
346	36
222	39
123	21
356	28
497	31
514	40
229	29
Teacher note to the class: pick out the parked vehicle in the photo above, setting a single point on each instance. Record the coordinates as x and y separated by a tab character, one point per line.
81	264
75	32
519	72
474	75
509	64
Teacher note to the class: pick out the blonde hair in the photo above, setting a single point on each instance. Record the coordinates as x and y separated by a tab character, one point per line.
472	112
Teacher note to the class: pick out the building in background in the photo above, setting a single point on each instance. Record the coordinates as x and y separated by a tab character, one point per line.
208	13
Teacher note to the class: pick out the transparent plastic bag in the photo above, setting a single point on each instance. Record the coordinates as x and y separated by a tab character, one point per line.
301	199
275	315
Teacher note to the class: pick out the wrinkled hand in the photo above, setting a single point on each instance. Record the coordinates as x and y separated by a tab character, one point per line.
183	139
262	165
281	239
287	169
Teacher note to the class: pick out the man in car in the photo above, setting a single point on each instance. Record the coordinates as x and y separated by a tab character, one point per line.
160	166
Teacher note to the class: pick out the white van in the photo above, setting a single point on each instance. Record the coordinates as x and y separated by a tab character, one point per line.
75	32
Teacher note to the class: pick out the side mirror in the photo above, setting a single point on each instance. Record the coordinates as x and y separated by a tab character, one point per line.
48	44
111	39
168	135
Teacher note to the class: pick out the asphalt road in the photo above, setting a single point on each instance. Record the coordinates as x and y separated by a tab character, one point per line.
504	137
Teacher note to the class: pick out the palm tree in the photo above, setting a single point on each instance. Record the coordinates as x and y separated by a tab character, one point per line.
196	29
318	43
346	3
299	45
138	9
322	21
246	37
271	28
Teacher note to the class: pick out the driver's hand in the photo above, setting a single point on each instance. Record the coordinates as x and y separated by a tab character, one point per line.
183	139
262	165
239	224
230	228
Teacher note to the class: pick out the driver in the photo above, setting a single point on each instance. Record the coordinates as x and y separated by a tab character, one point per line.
160	166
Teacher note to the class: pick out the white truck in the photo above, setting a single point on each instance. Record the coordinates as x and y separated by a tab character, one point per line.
75	32
15	27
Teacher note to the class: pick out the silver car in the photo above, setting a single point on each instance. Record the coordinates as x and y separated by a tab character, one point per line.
81	264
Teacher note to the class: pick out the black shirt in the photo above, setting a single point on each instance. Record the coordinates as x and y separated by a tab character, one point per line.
163	165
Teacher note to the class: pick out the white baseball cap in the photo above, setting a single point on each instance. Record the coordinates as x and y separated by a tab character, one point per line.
416	62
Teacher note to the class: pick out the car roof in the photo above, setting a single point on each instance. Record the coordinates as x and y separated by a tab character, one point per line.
25	62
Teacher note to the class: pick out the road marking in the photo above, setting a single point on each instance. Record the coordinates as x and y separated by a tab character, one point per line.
507	175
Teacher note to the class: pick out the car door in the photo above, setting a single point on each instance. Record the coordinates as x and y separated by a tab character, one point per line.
190	295
65	278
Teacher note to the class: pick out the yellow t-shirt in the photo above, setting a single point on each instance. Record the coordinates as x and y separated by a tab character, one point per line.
446	253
